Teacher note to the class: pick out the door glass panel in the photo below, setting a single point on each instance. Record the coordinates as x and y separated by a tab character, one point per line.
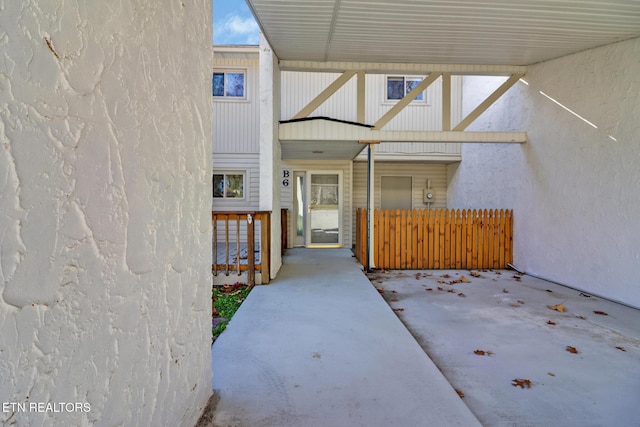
324	211
299	209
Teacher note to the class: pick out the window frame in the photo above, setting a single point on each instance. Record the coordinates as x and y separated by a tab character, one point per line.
404	77
225	72
224	174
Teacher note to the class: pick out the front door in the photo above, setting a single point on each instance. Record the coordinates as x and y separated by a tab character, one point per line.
324	213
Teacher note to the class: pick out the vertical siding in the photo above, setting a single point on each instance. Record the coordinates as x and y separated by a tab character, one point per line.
420	172
299	88
236	123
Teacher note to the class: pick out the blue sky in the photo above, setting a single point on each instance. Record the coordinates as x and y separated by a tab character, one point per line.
233	23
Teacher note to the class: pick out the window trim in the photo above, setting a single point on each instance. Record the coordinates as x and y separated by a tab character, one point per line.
224	174
226	71
386	100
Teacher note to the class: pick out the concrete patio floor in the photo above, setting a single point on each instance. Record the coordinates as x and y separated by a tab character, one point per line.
320	347
506	316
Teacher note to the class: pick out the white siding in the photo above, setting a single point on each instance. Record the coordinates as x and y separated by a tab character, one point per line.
419	172
236	124
247	163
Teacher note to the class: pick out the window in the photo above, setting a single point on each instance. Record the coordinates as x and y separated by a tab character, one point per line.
228	185
229	84
399	86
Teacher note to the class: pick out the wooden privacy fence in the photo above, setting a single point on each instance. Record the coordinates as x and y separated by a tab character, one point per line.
437	238
236	246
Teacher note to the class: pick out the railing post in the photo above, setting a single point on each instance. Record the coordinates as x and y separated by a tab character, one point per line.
251	259
265	246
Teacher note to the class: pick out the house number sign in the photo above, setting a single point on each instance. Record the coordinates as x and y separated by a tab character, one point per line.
285	178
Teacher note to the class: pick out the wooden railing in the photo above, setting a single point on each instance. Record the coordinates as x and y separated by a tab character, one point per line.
235	242
437	238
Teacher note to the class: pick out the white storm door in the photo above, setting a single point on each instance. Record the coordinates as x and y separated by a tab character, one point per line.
324	209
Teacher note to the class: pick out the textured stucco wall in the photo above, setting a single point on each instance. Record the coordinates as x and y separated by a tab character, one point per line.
574	189
105	192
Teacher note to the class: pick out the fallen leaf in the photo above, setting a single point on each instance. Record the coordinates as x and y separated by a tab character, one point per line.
515	304
581	317
394	299
475	274
572	350
549	290
464	279
504	291
429	289
440	289
621	348
602	313
549	322
521	301
446	276
479	352
451	291
517	278
557	307
522	383
393	292
442	282
582	294
461	394
398	309
380	290
551	374
461	294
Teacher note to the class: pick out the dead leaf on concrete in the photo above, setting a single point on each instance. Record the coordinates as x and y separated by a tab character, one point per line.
429	289
398	309
581	317
394	299
602	313
475	274
504	291
551	374
464	279
521	301
520	382
483	352
558	307
461	394
619	347
572	350
440	289
582	294
549	322
446	276
515	304
461	294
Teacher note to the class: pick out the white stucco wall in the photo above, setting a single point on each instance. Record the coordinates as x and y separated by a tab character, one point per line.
105	193
574	189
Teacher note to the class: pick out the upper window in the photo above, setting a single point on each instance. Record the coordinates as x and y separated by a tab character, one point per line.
229	84
399	86
228	185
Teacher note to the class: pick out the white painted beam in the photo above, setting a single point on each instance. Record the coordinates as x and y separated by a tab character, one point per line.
384	68
325	94
401	104
487	102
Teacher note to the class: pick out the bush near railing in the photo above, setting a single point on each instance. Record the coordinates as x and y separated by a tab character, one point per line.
437	238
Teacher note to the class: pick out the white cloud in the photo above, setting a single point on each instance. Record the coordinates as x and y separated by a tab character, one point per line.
235	29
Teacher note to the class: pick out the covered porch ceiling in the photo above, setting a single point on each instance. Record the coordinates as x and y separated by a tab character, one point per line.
489	32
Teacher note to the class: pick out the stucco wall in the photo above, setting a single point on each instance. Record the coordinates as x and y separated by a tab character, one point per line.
573	187
105	193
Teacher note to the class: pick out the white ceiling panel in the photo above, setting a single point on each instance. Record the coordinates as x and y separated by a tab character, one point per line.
498	32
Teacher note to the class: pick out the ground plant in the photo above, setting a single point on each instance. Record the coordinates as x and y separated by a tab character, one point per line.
226	300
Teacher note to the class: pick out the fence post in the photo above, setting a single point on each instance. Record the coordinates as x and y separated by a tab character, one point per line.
251	250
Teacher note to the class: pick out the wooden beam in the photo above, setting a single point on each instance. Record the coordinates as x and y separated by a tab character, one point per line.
361	97
446	101
402	68
325	94
487	102
401	104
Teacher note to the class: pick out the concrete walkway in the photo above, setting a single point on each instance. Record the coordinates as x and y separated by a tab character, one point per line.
320	347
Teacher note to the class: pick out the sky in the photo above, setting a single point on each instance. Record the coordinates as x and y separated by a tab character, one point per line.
233	23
